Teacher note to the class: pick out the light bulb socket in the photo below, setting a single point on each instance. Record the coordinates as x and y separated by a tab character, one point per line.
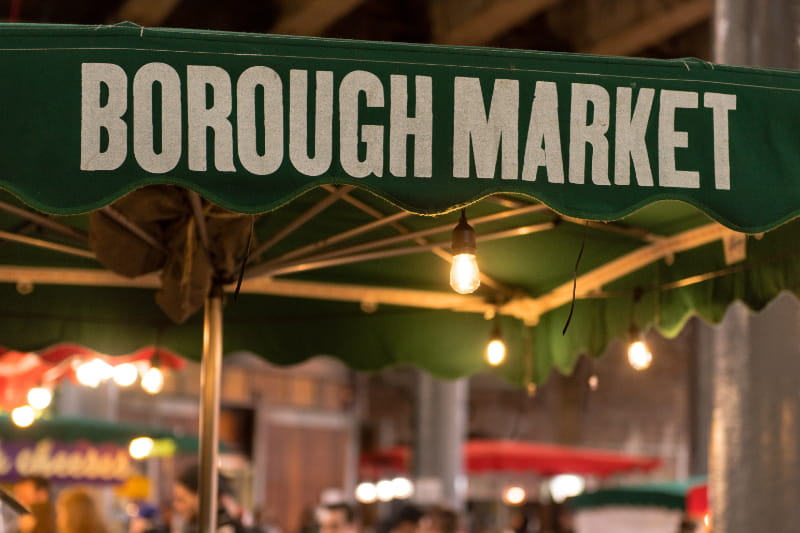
634	333
463	237
497	335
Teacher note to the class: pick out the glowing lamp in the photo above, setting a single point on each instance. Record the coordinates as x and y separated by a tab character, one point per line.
465	277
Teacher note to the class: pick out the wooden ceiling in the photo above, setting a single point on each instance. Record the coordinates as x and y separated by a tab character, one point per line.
646	28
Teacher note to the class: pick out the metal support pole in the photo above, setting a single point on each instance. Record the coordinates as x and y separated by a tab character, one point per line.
210	380
441	424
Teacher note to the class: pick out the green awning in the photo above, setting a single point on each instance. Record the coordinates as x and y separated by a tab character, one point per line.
330	145
67	429
71	429
685	495
252	121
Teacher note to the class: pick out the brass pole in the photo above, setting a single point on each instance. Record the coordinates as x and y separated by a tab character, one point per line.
210	379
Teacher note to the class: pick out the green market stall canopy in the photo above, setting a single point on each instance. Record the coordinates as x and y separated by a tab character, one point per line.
73	429
308	161
74	449
689	496
652	507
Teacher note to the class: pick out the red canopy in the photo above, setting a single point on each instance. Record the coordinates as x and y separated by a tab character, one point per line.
20	371
697	501
519	456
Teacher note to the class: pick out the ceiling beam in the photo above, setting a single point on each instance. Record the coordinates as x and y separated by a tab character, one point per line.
653	30
524	308
304	266
521	307
46	222
492	20
333	197
87	277
438	252
593	281
145	12
420	237
343	236
288	288
365	293
132	227
313	17
47	245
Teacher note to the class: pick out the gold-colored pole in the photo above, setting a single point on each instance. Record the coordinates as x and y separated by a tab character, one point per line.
210	379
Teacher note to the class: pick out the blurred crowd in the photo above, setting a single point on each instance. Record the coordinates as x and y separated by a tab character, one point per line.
75	510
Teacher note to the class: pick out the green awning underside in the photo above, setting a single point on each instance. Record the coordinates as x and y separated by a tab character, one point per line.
308	140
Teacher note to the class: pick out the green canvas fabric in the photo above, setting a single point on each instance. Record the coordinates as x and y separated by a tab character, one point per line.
71	429
53	139
720	138
447	343
667	494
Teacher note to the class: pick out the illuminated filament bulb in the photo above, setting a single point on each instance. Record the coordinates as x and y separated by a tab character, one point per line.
464	274
639	355
39	398
496	349
153	380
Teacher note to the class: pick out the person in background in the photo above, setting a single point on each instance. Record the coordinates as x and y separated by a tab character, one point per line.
34	493
145	520
687	525
76	512
337	518
406	520
265	521
186	502
439	519
518	521
308	520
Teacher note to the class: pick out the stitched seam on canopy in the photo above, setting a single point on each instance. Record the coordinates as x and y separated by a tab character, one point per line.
442	65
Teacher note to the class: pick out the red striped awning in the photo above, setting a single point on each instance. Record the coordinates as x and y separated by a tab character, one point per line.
519	456
20	371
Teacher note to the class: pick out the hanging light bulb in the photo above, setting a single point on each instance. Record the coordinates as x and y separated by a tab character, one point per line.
465	277
565	486
125	374
141	447
594	382
514	495
93	372
384	490
86	376
366	492
496	349
23	416
39	398
639	355
153	380
403	488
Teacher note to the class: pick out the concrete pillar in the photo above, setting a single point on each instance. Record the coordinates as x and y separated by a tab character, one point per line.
80	401
701	372
754	451
757	33
755	431
441	430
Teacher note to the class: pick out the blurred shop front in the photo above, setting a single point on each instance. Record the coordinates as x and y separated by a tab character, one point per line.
517	483
96	454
